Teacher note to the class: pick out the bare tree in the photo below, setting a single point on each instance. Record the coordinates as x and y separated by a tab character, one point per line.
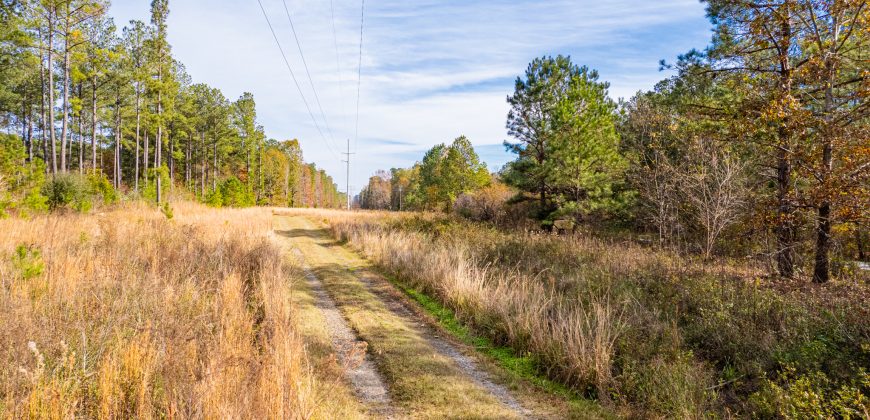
658	185
714	186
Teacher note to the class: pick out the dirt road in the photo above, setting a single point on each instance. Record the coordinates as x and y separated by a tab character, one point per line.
402	367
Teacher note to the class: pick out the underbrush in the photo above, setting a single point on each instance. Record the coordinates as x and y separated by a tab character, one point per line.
646	330
127	314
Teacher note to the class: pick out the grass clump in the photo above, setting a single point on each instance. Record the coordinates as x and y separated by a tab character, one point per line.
524	366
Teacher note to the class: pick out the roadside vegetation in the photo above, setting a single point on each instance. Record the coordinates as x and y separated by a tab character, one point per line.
650	332
129	314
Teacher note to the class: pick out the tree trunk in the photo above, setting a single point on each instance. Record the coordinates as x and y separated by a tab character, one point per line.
94	123
247	162
203	166
138	105
30	134
64	144
25	140
187	156
821	270
187	163
118	174
171	161
51	94
785	229
260	181
157	149
145	159
42	110
81	134
215	167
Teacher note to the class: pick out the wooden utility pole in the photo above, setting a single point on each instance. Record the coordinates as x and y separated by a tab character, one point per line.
348	153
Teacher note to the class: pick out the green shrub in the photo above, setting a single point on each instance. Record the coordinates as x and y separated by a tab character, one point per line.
150	190
230	193
79	192
28	261
214	198
166	209
236	194
813	395
67	191
20	181
99	185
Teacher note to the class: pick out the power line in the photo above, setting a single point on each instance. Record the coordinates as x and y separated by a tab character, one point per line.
296	82
337	61
307	72
359	73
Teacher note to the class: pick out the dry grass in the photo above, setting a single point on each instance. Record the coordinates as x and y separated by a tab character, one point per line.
660	334
126	314
576	334
423	383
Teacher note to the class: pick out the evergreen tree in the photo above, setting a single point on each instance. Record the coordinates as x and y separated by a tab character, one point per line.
568	149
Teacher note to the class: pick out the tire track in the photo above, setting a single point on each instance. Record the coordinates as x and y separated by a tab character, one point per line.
396	304
352	353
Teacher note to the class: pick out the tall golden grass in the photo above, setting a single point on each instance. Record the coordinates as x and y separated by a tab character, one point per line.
127	314
574	335
658	333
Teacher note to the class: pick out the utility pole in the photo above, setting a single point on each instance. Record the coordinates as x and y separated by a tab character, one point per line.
400	196
347	190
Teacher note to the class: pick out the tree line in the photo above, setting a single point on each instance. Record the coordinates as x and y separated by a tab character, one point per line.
758	146
82	97
445	173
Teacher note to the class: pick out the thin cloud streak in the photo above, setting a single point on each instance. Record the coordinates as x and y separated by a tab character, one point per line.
432	70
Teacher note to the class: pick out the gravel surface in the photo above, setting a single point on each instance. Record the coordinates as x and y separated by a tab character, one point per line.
367	383
395	303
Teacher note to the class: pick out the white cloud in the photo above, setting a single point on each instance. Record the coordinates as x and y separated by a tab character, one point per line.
431	69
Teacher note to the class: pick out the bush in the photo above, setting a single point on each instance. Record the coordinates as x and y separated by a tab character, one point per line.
79	192
20	181
67	191
486	204
236	194
100	187
28	260
230	193
150	191
813	395
166	209
214	198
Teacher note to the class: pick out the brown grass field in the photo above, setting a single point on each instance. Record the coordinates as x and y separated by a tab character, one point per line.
126	314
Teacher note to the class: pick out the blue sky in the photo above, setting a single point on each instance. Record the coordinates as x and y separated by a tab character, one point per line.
431	70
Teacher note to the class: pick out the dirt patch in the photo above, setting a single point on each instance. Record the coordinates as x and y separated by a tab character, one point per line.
352	353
